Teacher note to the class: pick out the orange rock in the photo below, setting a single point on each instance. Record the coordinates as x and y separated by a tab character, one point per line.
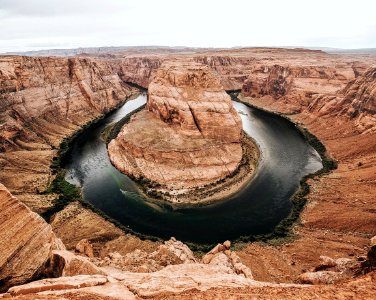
85	248
26	241
189	136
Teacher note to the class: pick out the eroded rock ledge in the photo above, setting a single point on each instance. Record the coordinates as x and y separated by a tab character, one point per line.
189	136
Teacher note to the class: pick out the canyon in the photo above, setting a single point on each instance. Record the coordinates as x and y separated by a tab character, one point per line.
44	100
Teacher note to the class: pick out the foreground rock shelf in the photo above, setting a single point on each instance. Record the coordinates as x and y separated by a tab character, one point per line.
189	136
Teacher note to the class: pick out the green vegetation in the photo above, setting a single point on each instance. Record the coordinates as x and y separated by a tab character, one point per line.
66	192
112	131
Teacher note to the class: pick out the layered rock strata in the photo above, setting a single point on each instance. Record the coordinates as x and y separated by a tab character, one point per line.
26	242
356	101
188	136
341	205
42	101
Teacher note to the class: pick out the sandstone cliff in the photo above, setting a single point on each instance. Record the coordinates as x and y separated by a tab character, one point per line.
43	98
190	96
26	242
357	101
294	85
188	136
42	101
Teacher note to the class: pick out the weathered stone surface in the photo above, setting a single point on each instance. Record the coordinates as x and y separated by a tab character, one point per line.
192	97
321	277
220	255
172	252
57	284
357	101
65	263
26	241
84	247
179	278
189	136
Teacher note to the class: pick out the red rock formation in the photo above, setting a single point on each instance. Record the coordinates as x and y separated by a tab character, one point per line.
278	81
137	69
190	134
190	96
41	95
42	101
357	100
26	242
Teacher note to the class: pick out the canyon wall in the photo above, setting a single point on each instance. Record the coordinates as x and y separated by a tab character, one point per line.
234	66
39	96
42	101
26	241
356	101
341	206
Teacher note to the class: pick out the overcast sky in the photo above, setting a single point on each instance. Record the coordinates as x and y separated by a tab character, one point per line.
42	24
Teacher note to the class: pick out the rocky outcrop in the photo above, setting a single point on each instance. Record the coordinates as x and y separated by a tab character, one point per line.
296	82
65	263
172	252
26	242
357	101
188	136
222	255
191	97
170	280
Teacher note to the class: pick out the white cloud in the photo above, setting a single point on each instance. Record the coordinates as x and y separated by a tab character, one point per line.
30	25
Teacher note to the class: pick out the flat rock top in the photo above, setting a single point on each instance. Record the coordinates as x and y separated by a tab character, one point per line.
145	130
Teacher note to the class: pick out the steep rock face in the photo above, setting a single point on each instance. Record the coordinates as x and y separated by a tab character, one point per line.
188	136
190	96
278	81
42	101
37	92
357	100
26	241
362	92
138	69
232	70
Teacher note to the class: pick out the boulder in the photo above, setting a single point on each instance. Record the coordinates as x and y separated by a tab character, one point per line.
84	247
320	277
65	263
227	244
